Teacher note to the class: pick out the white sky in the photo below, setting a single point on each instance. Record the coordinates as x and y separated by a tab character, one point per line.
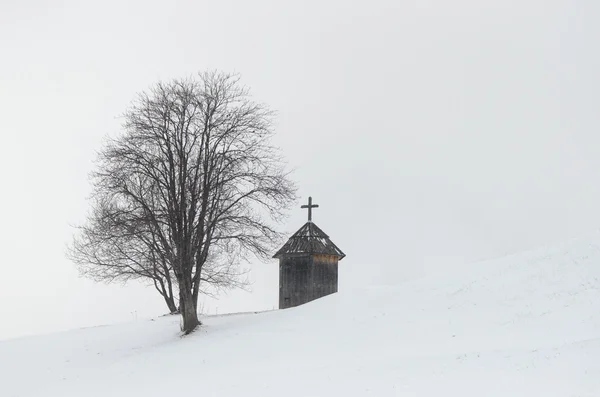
431	133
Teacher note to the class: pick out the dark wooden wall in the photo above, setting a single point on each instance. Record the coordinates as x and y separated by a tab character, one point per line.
306	278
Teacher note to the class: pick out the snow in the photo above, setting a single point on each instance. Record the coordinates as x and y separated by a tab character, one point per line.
524	325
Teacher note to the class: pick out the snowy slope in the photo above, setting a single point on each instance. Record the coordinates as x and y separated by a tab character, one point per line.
525	325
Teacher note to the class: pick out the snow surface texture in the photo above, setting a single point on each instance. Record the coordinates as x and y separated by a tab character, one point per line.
525	325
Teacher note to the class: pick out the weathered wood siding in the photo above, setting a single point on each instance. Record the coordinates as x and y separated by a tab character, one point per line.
306	278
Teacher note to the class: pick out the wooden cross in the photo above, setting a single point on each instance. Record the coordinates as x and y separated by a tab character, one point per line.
310	206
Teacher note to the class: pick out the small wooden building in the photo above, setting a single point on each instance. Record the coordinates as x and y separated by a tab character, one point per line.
308	265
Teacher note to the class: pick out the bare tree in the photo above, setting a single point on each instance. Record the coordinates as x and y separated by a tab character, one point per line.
191	188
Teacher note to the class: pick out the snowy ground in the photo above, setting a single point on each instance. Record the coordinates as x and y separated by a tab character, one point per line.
526	325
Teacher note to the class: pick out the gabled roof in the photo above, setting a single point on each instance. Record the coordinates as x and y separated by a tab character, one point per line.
309	239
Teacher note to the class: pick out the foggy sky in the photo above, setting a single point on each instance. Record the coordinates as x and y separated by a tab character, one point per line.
431	133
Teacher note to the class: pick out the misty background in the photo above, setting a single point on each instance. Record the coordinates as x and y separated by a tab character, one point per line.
431	133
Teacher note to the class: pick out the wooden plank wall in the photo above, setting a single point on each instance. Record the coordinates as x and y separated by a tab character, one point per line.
306	278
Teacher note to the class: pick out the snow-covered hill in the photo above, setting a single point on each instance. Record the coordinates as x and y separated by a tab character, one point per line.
525	325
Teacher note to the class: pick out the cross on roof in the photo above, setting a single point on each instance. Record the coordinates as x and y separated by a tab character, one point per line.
310	206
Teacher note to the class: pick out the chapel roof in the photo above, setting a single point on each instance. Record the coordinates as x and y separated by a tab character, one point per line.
309	239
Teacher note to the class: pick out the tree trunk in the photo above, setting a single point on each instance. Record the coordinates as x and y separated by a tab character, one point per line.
195	294
167	295
188	311
171	304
